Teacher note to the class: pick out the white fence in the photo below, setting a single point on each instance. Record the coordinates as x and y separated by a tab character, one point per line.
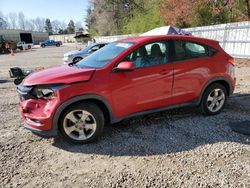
234	38
111	38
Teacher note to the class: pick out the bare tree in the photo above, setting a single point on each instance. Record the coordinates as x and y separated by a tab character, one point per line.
21	20
56	26
29	25
78	25
13	20
3	21
39	24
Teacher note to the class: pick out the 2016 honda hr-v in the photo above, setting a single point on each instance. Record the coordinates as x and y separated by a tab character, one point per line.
125	78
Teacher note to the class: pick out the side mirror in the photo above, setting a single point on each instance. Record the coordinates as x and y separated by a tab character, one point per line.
124	66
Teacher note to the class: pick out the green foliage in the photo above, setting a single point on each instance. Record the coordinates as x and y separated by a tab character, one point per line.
63	31
143	21
114	17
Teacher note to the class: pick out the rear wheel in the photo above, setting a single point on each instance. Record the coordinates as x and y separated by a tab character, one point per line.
43	46
214	99
57	45
82	123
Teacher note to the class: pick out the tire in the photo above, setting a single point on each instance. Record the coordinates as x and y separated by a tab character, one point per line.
213	100
43	46
79	129
29	47
57	45
76	59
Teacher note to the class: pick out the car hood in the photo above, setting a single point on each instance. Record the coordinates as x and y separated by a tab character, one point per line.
76	52
58	75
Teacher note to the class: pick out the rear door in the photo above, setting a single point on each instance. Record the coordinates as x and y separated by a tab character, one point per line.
149	86
191	69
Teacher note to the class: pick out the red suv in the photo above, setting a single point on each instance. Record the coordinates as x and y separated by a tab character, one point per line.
129	77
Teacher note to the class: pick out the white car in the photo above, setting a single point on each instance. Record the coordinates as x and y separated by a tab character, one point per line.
24	46
75	56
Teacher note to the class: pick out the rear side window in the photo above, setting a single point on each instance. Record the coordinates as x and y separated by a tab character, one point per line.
189	50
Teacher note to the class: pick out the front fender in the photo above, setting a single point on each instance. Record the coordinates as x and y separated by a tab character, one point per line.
64	105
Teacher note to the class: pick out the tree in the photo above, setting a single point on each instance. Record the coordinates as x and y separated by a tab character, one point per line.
56	26
13	20
21	21
204	12
78	26
177	13
29	25
113	17
71	27
48	26
142	16
3	23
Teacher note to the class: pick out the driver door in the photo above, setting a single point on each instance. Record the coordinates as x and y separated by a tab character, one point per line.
147	87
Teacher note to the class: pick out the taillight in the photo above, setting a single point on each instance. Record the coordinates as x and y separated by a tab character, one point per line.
231	70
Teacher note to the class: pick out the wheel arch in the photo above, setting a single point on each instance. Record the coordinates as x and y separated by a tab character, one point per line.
77	57
220	80
101	102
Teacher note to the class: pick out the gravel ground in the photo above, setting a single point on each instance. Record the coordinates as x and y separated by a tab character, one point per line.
176	148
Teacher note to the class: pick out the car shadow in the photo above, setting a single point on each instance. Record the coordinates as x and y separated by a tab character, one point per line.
167	132
4	81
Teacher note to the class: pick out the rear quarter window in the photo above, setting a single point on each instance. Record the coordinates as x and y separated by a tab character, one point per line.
189	50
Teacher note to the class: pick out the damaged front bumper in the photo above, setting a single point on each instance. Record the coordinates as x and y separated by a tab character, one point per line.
37	113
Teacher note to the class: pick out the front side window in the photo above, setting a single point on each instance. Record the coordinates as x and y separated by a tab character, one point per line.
103	56
149	55
189	50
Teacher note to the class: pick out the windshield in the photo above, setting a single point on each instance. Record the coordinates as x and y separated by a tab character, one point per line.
103	56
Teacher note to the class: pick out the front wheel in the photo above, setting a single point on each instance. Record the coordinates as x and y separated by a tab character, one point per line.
82	123
214	99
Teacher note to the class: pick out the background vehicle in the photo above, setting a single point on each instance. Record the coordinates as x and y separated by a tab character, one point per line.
75	56
50	43
24	46
130	77
6	45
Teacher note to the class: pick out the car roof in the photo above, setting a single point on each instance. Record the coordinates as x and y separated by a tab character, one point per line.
144	39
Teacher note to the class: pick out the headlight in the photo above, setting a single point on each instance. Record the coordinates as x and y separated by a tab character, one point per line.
43	92
68	55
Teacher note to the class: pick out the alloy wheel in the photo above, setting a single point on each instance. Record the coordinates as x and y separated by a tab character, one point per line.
215	100
79	125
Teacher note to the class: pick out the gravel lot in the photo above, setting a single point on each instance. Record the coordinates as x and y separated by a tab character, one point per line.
177	148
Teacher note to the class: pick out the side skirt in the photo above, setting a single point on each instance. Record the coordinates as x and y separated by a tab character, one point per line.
189	104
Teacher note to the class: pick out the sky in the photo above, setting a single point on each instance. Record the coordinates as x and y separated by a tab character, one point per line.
63	10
